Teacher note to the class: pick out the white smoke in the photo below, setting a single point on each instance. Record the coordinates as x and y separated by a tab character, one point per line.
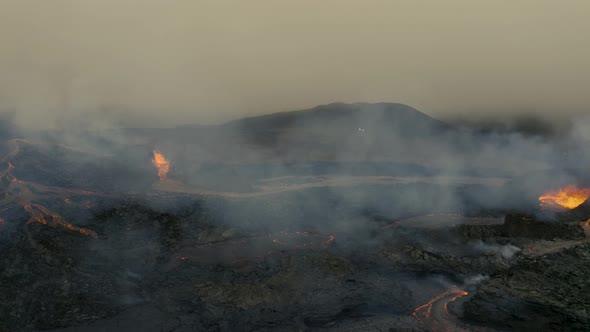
475	279
507	251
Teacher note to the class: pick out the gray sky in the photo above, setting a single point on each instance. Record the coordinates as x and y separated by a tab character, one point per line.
173	61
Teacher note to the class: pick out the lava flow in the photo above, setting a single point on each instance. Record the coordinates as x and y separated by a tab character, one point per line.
569	197
435	314
162	164
28	194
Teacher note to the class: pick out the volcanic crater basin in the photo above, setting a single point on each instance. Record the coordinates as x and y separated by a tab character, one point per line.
319	253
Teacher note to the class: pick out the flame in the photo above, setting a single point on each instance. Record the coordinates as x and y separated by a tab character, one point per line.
569	197
162	164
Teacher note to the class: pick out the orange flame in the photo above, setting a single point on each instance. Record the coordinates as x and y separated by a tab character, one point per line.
162	164
569	197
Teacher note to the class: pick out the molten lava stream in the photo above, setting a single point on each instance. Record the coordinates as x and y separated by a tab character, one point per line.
569	197
435	316
42	215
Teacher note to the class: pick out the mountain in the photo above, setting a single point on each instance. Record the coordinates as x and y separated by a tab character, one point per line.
340	117
333	132
339	131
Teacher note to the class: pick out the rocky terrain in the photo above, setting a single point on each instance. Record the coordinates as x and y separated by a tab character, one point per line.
181	268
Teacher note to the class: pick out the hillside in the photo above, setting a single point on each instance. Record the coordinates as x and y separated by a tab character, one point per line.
334	132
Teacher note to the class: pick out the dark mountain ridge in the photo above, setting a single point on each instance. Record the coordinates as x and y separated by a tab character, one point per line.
353	116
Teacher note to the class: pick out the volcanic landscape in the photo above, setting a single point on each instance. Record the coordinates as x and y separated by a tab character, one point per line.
344	217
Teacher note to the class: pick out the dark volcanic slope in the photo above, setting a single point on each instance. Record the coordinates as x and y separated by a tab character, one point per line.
340	131
340	119
65	166
329	132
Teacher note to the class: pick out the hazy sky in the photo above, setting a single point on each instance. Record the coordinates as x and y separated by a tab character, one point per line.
170	61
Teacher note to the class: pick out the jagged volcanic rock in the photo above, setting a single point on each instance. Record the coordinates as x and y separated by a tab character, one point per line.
544	293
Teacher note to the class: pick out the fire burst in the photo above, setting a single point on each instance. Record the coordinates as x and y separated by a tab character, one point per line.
569	197
162	164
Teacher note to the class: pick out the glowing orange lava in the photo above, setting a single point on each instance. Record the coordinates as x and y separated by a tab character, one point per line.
435	315
569	197
162	164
